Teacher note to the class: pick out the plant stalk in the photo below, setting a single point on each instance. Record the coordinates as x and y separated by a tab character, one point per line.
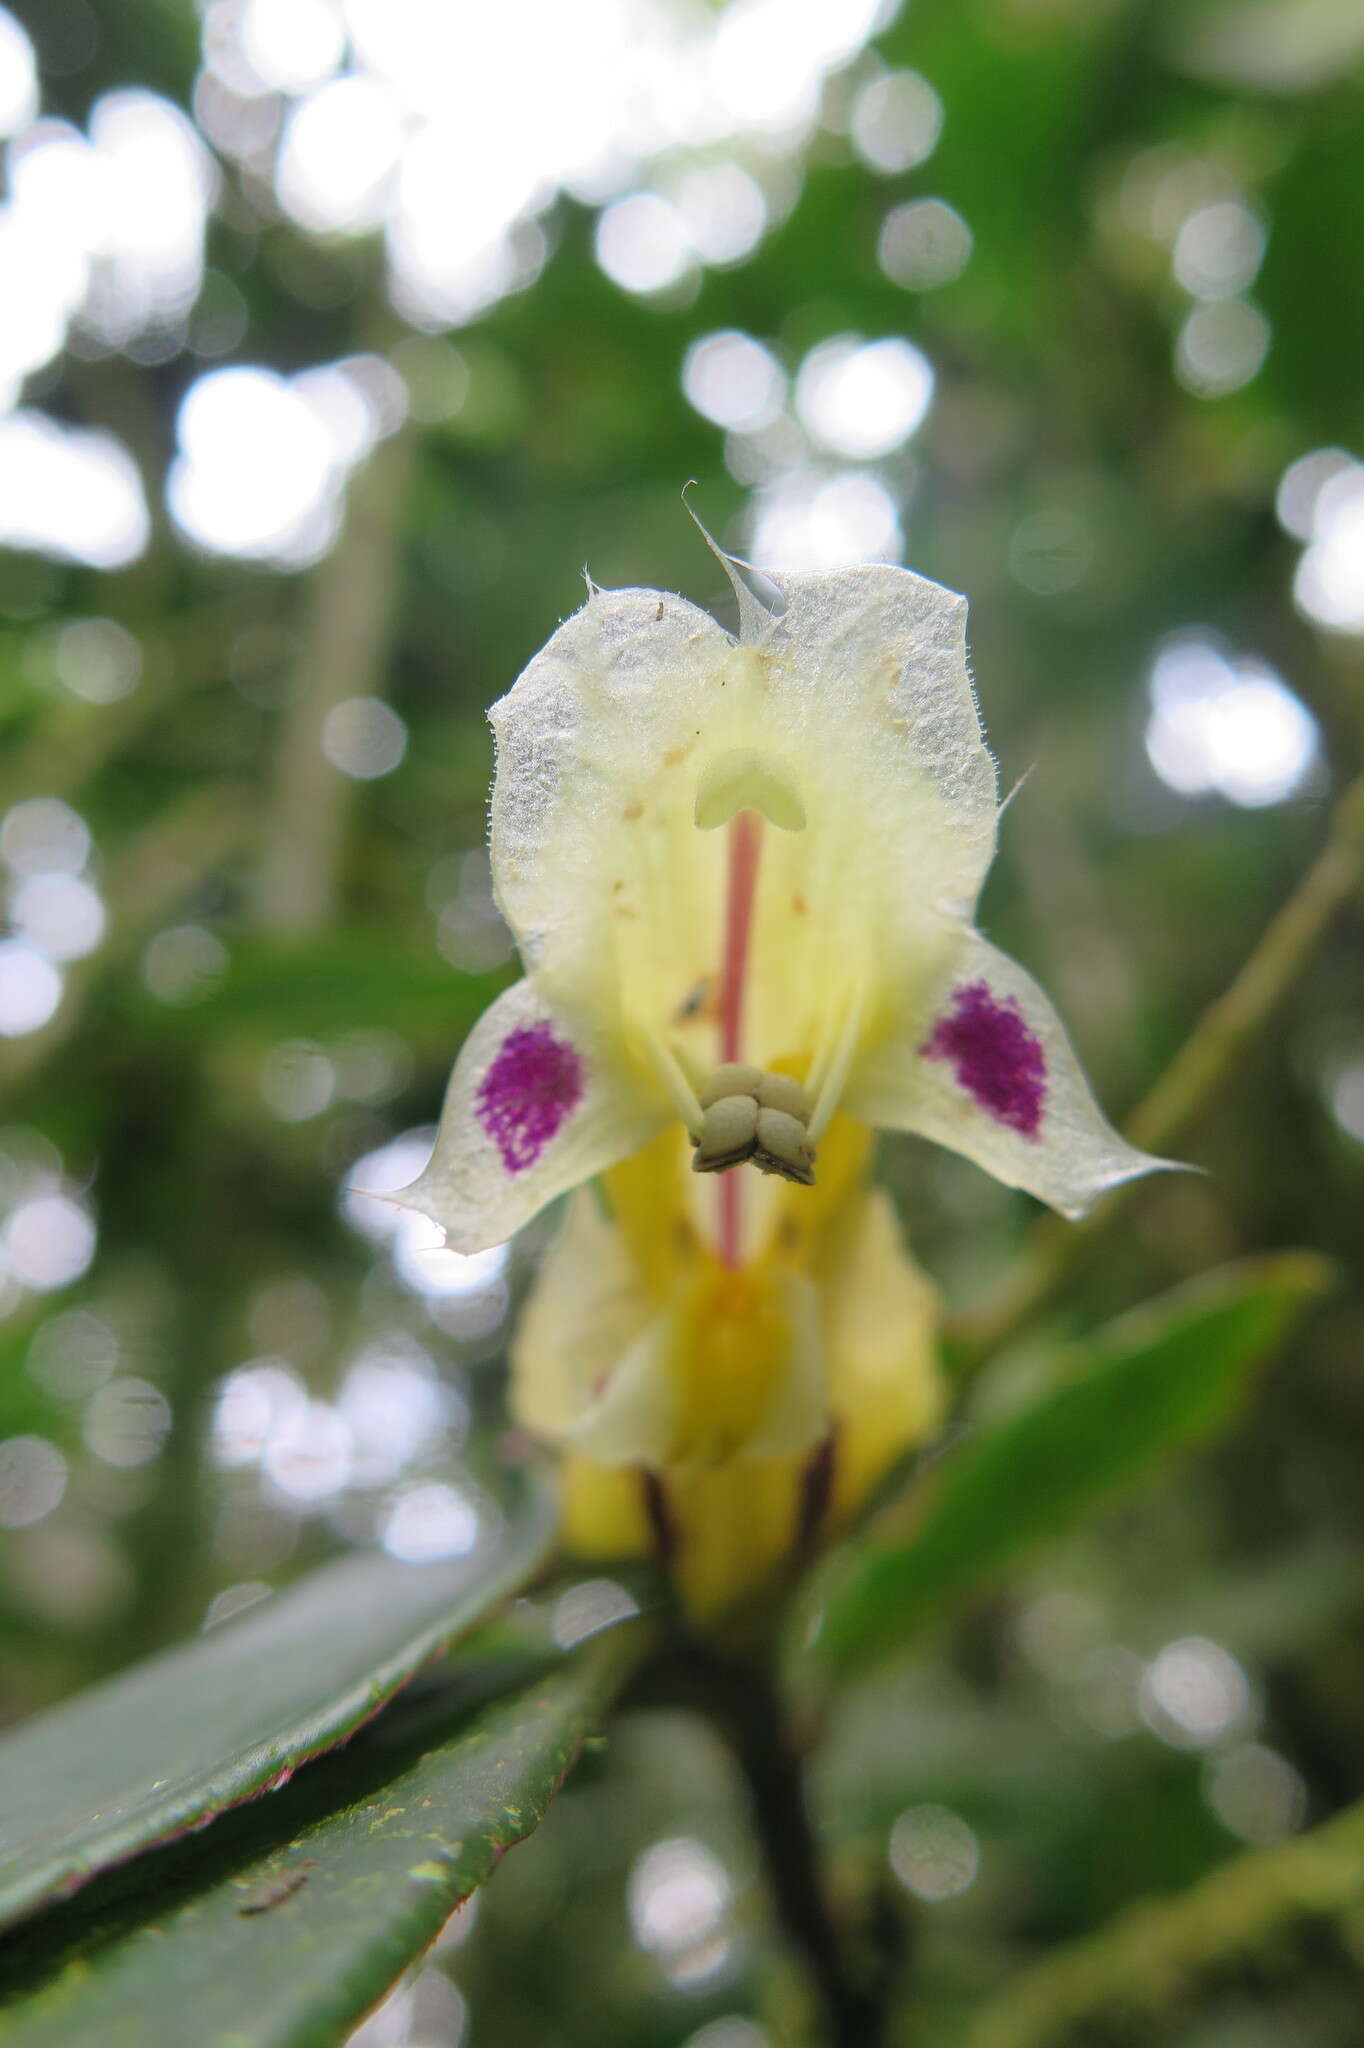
742	1703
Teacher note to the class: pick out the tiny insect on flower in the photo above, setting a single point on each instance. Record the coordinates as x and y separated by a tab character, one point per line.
742	875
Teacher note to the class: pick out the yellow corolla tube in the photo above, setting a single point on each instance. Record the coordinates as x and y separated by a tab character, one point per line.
741	873
725	1420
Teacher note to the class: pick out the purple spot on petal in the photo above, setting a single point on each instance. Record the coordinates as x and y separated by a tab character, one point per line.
994	1056
532	1087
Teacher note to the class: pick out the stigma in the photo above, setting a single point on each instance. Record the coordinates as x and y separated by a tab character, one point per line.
749	1115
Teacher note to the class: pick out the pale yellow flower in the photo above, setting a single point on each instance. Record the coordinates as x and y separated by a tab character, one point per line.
765	851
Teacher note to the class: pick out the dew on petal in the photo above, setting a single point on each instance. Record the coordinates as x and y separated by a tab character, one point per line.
534	1084
994	1056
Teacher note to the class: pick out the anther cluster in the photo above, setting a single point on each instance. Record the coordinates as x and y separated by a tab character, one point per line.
747	1114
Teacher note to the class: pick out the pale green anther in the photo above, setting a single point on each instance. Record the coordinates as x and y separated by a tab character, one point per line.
783	1147
733	1078
729	1131
751	1115
780	1091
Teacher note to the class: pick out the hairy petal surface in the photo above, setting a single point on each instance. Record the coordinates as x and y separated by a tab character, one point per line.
882	653
592	738
641	729
537	1103
988	1071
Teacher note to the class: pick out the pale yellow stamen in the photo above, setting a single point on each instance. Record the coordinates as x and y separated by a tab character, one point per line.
679	1088
830	1071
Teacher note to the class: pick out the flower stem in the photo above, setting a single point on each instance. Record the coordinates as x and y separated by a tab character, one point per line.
742	1703
772	1773
745	847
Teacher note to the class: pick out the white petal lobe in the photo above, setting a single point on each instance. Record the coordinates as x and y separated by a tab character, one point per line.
536	1104
887	649
586	732
991	1074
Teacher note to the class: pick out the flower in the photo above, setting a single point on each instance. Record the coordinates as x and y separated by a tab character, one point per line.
765	850
742	873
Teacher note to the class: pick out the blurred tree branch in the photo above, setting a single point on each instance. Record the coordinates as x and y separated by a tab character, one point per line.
1159	1953
344	654
1200	1067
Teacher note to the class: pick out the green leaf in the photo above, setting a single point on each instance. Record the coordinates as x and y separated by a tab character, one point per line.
282	1926
169	1744
320	986
1163	1376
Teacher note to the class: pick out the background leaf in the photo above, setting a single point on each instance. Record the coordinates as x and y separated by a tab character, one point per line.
1157	1379
326	986
233	1713
289	1919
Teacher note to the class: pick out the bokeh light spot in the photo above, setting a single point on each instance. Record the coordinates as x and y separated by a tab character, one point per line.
18	76
32	1480
1219	249
1329	584
1224	725
97	660
292	44
42	835
59	915
1220	347
30	989
896	122
807	521
364	738
642	243
258	470
723	212
70	493
297	1080
678	1895
1194	1694
1256	1793
431	1521
341	148
924	244
183	964
1303	485
1051	551
733	380
934	1853
127	1422
863	398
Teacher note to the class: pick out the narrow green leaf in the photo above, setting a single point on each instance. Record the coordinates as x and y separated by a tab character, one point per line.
285	1923
319	986
166	1746
1163	1376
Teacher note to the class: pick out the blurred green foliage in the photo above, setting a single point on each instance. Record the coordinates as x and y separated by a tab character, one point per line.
292	956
